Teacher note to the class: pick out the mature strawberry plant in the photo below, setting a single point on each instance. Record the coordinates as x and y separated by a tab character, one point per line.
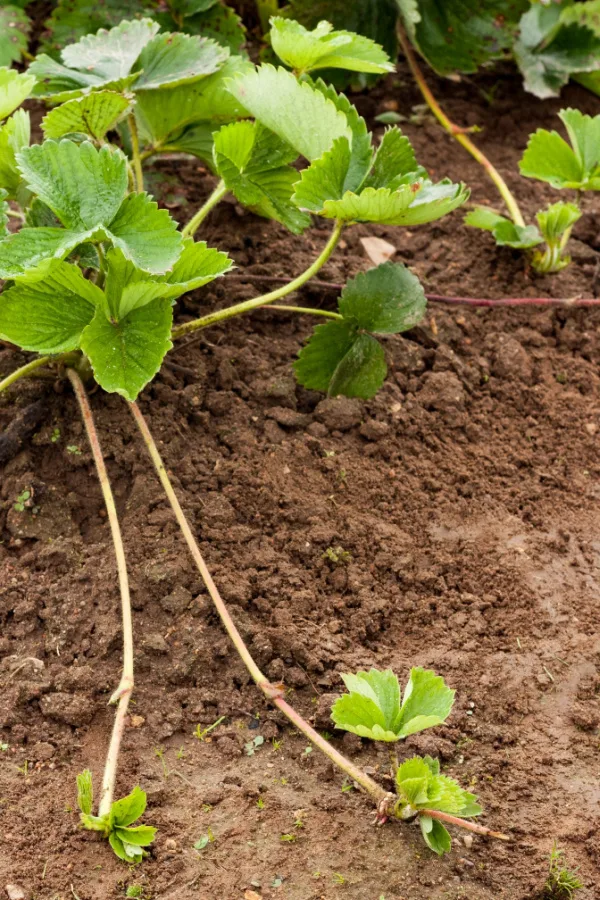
550	158
93	272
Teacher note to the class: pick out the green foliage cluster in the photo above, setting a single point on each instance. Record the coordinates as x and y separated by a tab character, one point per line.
126	839
375	708
550	158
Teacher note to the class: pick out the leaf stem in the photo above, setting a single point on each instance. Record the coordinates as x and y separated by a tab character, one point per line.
15	214
122	694
306	310
193	225
248	305
135	152
463	823
273	693
458	133
24	371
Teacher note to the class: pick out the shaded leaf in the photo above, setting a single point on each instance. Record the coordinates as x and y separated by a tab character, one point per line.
435	834
15	26
395	158
384	300
506	233
14	136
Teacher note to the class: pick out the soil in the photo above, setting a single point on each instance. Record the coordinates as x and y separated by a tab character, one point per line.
466	494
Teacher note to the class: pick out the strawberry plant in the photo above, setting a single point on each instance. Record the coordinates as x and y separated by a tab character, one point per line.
93	269
550	158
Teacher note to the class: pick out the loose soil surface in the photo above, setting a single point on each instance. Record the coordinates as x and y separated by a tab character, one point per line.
466	494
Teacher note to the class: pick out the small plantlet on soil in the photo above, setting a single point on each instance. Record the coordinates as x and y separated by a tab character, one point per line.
374	708
126	839
562	883
549	158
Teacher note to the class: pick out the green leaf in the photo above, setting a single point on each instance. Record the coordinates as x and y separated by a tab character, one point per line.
85	791
15	26
427	702
371	707
162	115
94	114
340	361
548	53
187	8
197	266
586	14
412	779
94	823
31	246
296	111
110	54
14	88
147	235
506	233
325	178
117	844
49	315
4	207
125	356
170	60
362	151
556	220
461	35
413	204
435	834
395	159
220	23
382	688
584	134
137	837
252	162
549	158
72	19
384	300
305	50
446	795
14	136
125	811
83	186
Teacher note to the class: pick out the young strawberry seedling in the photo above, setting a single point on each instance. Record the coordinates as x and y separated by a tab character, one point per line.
374	709
550	158
93	273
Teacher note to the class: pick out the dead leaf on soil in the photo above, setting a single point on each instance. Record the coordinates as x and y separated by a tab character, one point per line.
378	250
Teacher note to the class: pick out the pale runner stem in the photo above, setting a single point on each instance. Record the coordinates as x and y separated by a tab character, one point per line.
305	310
459	133
135	152
122	694
462	823
193	225
248	305
273	693
24	371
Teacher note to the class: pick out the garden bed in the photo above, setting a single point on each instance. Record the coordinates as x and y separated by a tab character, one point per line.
465	497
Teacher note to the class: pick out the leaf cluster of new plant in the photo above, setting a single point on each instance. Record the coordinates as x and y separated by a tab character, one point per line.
126	839
374	708
550	158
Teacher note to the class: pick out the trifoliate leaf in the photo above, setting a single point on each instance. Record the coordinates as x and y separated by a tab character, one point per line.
94	115
14	136
362	151
110	55
410	204
394	160
125	356
549	158
163	115
14	88
147	235
83	186
252	162
296	111
461	35
174	59
140	836
323	48
506	233
548	52
419	783
30	246
85	791
436	836
387	299
338	360
15	26
557	219
427	702
49	315
584	134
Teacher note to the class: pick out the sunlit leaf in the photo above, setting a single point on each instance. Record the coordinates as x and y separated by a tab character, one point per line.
94	115
322	48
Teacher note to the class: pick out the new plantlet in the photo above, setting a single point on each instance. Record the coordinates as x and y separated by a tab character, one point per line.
574	166
126	839
562	882
375	709
93	273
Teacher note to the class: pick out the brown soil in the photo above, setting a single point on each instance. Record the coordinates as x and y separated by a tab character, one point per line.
466	494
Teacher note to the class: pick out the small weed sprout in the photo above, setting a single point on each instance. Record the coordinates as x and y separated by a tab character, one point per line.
562	882
337	555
